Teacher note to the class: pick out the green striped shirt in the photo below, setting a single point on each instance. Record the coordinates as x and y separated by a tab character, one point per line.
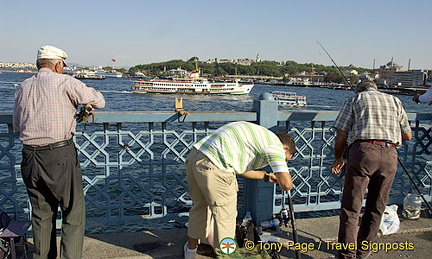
242	146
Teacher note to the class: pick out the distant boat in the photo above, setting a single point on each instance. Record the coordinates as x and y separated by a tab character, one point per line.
298	82
191	84
289	98
86	74
108	73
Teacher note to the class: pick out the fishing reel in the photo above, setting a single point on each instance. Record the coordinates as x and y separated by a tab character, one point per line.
84	113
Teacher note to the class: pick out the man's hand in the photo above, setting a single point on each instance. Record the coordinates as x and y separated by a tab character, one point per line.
85	112
338	163
89	108
416	98
273	178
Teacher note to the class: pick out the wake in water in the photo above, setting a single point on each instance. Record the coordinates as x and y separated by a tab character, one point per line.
321	106
116	92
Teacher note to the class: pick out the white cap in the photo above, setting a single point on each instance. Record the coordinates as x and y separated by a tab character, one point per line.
51	52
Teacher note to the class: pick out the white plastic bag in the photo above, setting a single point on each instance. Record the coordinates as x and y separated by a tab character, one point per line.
390	222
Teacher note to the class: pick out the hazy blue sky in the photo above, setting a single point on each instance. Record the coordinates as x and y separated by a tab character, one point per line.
141	32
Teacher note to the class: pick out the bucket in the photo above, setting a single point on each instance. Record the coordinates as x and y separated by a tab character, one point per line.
412	206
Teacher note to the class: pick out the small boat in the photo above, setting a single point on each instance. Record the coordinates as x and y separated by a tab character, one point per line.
289	98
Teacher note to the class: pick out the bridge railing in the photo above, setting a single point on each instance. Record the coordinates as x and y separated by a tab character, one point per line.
134	173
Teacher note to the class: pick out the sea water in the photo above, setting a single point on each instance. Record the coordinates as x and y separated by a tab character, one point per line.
119	97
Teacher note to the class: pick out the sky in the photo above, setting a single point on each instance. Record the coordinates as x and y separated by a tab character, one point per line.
367	33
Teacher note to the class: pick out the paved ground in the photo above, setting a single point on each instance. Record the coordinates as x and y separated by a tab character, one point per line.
317	236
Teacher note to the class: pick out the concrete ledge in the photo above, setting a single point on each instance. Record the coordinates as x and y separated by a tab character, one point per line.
312	232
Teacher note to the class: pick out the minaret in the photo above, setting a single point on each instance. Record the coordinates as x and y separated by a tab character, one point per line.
409	64
258	59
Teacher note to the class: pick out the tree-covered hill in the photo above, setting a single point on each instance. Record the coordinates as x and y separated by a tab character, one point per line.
262	68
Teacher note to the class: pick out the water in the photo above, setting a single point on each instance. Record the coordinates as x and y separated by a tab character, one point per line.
119	97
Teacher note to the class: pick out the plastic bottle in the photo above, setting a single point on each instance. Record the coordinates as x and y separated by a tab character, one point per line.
247	218
269	223
285	217
412	206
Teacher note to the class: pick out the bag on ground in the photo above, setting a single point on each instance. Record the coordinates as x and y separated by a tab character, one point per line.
390	222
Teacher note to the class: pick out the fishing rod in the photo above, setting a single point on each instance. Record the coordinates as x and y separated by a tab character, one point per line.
400	162
346	80
293	224
413	184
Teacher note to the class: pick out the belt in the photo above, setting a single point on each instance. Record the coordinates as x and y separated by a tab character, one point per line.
50	146
380	143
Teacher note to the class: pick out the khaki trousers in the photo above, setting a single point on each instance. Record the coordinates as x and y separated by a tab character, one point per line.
214	195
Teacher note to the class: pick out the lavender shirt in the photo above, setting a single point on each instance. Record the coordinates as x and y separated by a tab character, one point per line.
45	107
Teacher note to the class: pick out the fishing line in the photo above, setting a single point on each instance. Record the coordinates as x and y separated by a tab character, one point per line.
336	65
413	184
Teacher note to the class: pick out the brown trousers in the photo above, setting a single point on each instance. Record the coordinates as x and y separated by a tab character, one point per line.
371	167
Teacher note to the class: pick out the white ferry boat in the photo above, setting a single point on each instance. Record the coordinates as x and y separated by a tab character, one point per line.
289	98
104	73
298	82
193	84
86	74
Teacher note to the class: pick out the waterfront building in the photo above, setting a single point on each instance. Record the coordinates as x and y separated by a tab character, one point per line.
411	78
387	73
393	75
18	66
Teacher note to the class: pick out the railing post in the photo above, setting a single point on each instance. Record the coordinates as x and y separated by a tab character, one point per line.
259	195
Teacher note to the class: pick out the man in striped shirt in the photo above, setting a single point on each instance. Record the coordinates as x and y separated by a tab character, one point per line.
237	148
44	116
373	125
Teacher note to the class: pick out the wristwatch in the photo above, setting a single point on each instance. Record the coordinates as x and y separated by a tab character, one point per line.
266	177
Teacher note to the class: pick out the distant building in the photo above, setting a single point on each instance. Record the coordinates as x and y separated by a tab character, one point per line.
18	66
239	61
411	78
258	58
177	72
393	75
306	76
387	73
347	73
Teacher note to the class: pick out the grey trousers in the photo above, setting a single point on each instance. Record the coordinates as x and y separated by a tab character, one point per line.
371	167
53	178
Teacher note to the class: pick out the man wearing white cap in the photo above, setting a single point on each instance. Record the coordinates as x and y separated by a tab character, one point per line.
44	116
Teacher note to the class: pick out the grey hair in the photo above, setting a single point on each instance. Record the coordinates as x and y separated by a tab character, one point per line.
365	84
46	62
